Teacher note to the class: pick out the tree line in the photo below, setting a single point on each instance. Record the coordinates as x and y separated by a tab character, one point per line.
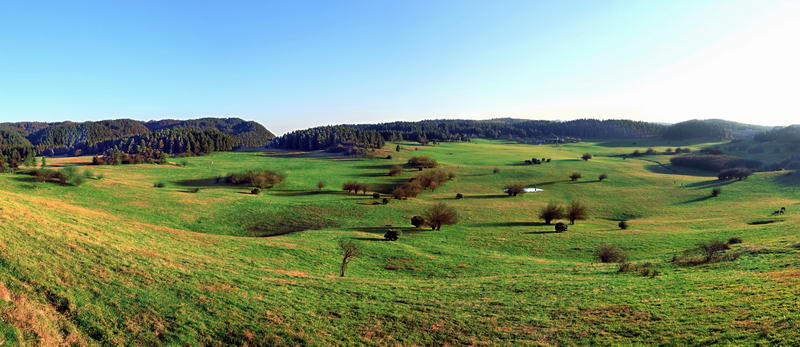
449	130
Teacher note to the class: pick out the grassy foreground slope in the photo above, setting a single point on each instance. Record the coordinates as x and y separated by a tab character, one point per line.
117	261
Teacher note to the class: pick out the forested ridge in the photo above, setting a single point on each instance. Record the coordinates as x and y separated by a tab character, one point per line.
74	138
447	130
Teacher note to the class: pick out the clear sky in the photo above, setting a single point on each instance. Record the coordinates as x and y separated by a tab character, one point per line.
296	64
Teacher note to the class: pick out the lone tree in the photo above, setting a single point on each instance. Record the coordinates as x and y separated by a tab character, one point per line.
602	177
576	210
716	192
395	170
417	221
349	250
515	189
586	156
575	176
440	214
495	171
551	212
320	185
623	225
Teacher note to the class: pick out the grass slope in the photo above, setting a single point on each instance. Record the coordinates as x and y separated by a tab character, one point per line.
117	261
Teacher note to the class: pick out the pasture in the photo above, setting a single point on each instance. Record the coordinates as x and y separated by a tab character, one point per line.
119	261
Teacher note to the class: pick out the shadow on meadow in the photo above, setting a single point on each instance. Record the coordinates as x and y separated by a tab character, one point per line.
789	179
511	224
709	184
677	170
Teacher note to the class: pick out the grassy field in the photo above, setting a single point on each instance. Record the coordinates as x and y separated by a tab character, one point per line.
118	261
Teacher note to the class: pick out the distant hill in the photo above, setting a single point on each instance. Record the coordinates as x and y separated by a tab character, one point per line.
98	136
716	129
446	130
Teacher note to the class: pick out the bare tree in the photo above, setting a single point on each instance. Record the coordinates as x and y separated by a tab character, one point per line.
577	210
320	185
515	189
350	250
551	212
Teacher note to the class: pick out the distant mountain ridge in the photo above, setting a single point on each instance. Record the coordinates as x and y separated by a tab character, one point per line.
93	137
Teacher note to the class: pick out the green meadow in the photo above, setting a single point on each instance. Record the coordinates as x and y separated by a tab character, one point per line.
117	261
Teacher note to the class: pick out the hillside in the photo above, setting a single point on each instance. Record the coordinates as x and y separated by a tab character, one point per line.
75	138
118	261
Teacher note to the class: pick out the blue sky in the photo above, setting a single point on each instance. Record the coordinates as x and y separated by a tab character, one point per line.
297	64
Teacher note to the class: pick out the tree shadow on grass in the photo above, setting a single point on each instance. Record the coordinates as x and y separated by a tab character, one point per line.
487	196
205	182
511	224
551	182
702	198
709	184
382	230
677	170
300	192
542	232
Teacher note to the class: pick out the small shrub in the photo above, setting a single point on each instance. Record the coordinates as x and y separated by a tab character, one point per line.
575	176
159	185
734	240
395	170
610	253
495	171
716	192
255	191
602	177
376	195
586	156
459	196
623	225
418	221
561	227
645	269
391	235
320	185
385	201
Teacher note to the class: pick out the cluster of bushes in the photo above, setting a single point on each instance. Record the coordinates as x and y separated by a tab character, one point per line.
431	179
435	216
537	161
576	210
668	151
263	179
712	162
355	187
646	269
68	176
116	157
738	173
422	162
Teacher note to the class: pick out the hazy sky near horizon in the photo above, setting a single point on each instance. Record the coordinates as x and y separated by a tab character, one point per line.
296	64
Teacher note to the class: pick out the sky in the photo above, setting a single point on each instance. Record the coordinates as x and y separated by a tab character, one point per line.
297	64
